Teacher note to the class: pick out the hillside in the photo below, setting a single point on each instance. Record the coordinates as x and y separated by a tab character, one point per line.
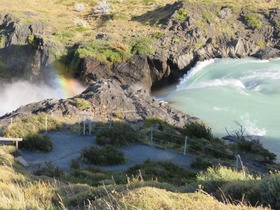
21	190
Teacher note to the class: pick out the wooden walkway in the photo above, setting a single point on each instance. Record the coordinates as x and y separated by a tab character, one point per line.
11	139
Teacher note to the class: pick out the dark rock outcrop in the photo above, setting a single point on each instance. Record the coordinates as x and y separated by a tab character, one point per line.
24	54
106	97
268	53
90	70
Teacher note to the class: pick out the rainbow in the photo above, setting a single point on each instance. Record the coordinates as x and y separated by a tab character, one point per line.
67	87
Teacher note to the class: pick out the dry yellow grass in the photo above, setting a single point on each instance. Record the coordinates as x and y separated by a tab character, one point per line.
149	198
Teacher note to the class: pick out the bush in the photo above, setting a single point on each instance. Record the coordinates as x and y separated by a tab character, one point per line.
37	142
222	173
200	163
22	128
213	147
120	134
253	20
242	190
256	148
198	130
181	14
107	155
49	169
82	104
269	191
162	171
142	46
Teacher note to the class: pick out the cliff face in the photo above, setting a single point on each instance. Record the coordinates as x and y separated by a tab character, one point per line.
191	32
24	54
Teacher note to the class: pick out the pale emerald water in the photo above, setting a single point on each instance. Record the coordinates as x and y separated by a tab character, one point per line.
223	91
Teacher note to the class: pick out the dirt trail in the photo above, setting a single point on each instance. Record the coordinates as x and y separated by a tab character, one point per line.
67	147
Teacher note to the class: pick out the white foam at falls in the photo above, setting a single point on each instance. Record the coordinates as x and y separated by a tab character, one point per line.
198	67
13	95
251	127
218	83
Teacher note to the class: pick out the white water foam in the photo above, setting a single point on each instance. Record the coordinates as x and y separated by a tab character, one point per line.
198	67
218	83
251	127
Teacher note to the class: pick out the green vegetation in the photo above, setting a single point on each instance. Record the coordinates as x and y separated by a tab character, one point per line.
29	129
261	44
33	124
253	20
181	14
119	134
256	148
82	103
163	172
107	155
198	130
50	170
142	46
37	142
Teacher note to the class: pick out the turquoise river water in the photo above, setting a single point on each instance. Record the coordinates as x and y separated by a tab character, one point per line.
224	91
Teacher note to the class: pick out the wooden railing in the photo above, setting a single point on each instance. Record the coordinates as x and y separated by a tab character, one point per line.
11	139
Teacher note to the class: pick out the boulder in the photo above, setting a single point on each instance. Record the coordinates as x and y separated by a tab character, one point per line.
268	53
135	70
90	70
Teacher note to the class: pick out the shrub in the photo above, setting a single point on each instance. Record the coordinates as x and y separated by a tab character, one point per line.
107	155
37	142
49	169
269	191
213	147
142	46
102	50
198	130
256	148
158	35
222	173
200	163
21	128
120	134
82	103
253	20
181	14
242	190
261	44
162	171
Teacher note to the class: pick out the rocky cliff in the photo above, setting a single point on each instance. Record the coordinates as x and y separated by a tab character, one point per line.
104	98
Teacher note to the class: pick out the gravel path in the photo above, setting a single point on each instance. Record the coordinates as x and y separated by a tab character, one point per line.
67	147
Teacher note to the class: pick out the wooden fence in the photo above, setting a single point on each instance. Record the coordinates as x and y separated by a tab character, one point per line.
11	139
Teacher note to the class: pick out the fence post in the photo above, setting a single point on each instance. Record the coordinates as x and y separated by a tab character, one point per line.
110	121
46	122
84	126
11	121
151	137
90	127
79	126
237	165
241	164
185	146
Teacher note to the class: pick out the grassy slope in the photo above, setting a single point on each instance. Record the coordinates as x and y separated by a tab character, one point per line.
21	190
